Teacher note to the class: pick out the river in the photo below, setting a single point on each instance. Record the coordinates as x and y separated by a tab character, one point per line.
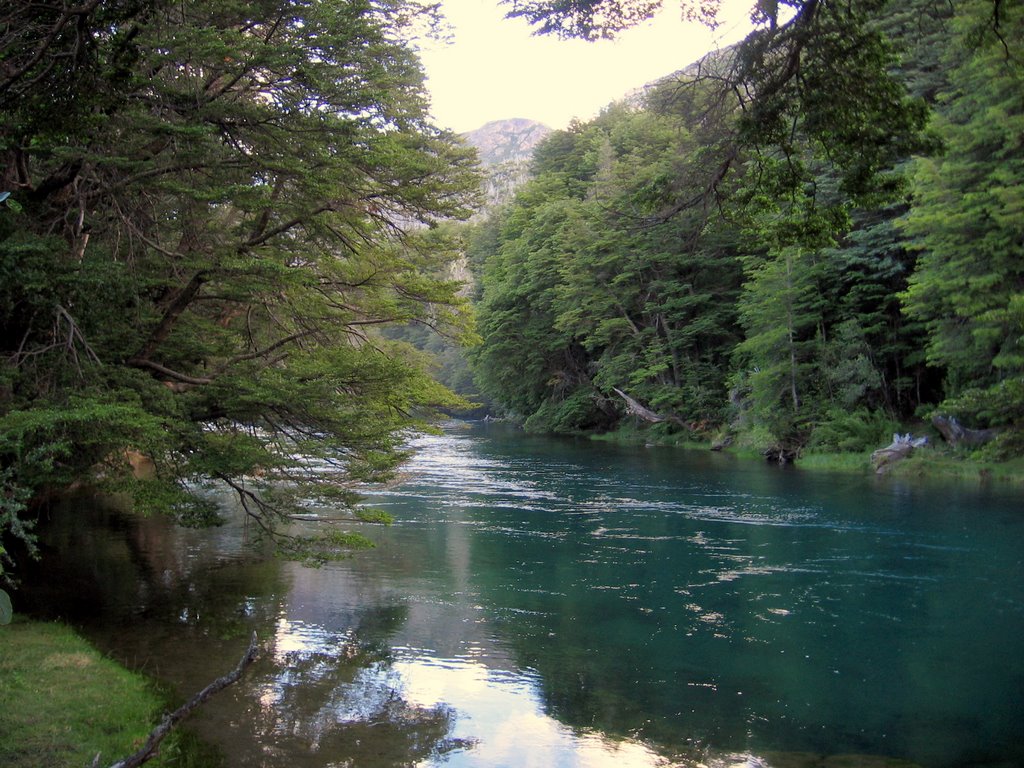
543	602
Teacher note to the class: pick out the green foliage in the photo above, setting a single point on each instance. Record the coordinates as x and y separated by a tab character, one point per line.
322	548
781	310
756	439
573	413
207	246
846	431
589	286
374	516
749	214
719	224
967	218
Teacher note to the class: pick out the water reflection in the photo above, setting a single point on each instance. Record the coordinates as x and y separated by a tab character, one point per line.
330	698
542	603
338	683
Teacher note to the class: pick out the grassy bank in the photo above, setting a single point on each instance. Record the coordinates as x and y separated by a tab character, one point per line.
928	462
923	463
62	703
629	434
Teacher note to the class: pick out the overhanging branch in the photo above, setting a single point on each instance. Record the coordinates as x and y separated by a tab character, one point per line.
158	734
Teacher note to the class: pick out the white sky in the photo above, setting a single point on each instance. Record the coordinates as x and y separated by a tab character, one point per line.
495	68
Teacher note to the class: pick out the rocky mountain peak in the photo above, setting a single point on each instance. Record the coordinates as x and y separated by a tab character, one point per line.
502	141
505	148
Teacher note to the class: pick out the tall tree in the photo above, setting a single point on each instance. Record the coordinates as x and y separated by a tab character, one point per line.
618	291
201	253
968	221
525	362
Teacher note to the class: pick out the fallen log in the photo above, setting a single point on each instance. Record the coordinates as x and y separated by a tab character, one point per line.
900	447
639	410
956	434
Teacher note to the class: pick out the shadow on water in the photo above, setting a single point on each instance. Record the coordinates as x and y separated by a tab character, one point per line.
553	603
180	605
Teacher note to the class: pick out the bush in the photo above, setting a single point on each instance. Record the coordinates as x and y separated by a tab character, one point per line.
853	431
576	413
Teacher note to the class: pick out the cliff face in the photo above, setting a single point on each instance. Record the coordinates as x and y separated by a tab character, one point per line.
504	141
505	148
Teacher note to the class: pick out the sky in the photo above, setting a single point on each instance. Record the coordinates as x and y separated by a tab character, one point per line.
495	68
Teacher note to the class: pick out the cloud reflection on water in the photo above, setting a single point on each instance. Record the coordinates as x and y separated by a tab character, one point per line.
479	715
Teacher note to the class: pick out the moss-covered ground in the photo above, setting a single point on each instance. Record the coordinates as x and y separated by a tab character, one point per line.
62	703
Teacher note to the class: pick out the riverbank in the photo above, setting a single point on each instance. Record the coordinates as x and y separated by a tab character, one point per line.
62	703
929	462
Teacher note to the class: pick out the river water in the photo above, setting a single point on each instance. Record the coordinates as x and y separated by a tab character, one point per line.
544	602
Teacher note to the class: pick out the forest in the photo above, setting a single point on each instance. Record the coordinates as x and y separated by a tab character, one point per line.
233	288
215	215
809	241
210	210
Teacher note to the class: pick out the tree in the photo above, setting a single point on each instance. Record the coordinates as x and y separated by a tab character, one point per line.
592	287
203	251
525	362
967	221
813	72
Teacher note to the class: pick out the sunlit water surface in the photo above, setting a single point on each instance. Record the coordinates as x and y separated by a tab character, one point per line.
558	603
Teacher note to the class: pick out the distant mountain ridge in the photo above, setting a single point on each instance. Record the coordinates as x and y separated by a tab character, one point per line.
505	148
502	141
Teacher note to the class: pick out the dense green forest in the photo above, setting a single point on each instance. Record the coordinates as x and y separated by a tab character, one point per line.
807	241
213	214
210	210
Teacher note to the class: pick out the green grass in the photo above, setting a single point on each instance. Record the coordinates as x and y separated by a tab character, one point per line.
62	703
930	462
853	463
629	434
935	463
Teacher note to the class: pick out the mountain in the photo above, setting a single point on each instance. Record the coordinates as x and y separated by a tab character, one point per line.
503	141
505	148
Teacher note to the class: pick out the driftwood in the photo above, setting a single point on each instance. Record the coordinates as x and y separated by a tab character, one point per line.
900	447
956	434
148	750
639	410
780	454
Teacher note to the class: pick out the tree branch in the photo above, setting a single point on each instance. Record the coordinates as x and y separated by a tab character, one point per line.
263	236
139	362
158	734
262	352
11	77
178	305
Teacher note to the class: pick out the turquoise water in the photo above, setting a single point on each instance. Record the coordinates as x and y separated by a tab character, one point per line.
542	602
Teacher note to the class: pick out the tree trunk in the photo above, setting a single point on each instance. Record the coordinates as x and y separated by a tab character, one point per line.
956	434
901	446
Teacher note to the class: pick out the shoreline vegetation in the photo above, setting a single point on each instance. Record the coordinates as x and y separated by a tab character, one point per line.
62	703
934	461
